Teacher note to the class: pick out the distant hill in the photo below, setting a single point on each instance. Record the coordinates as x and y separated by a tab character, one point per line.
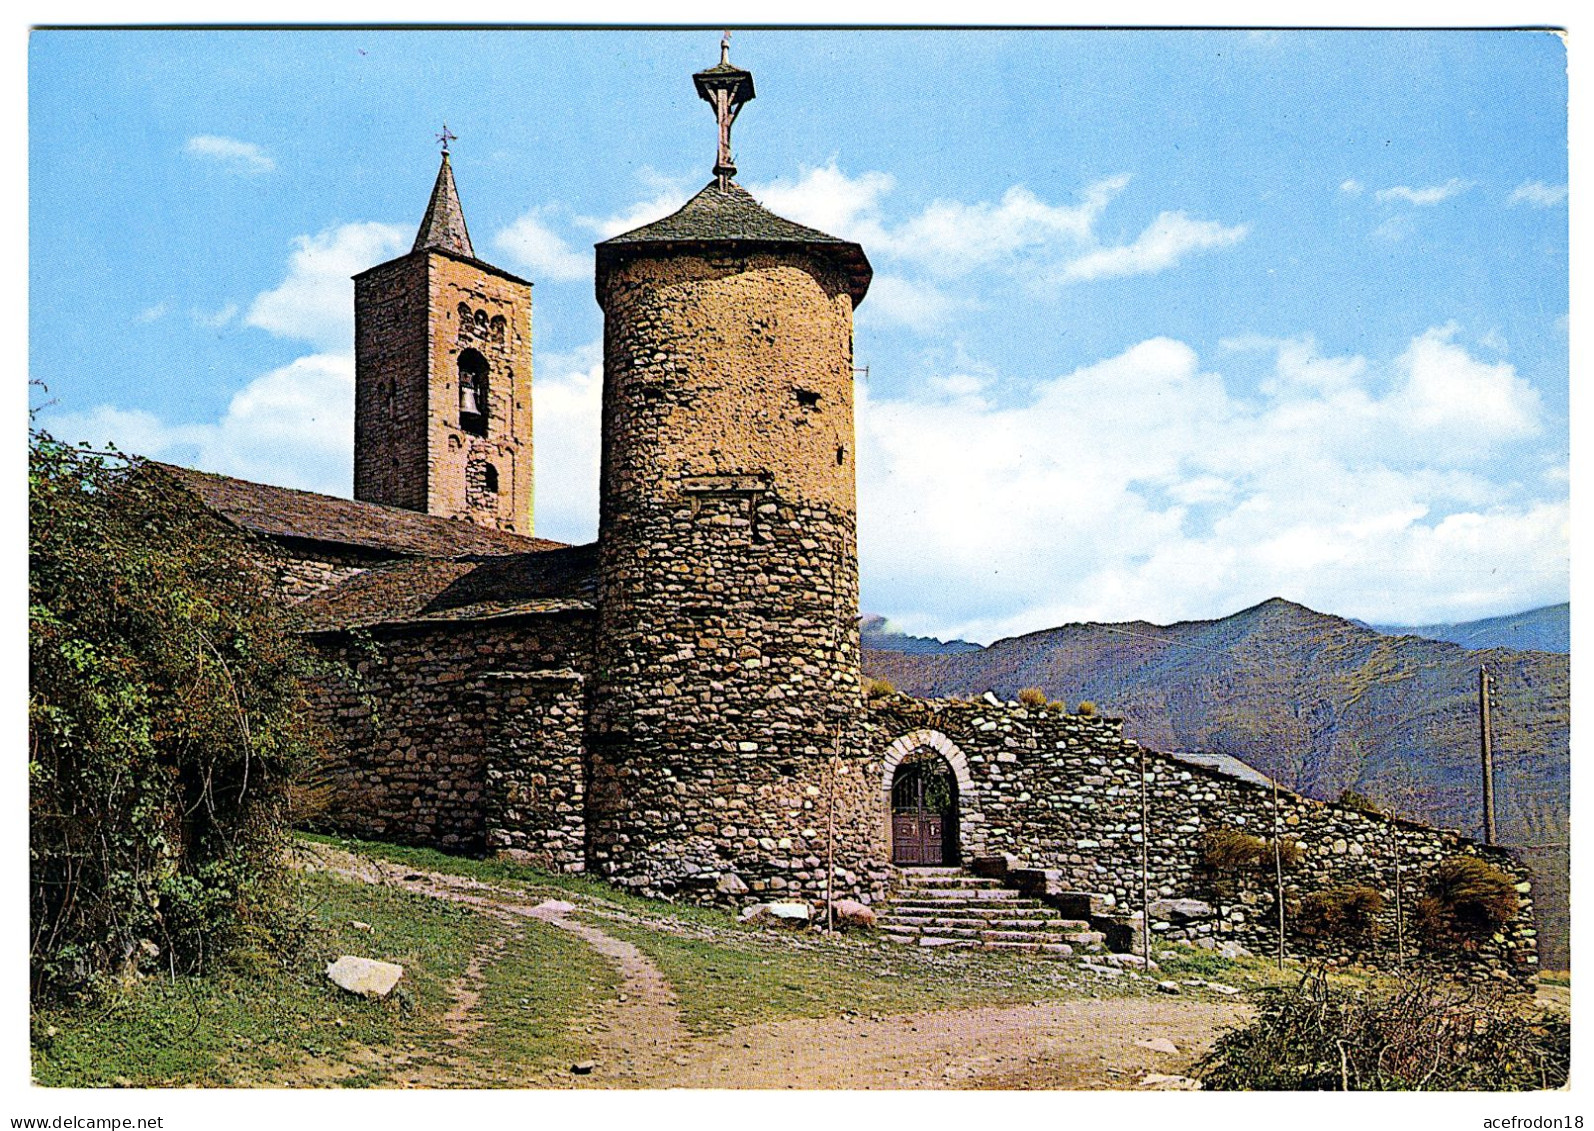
1538	630
1317	702
877	632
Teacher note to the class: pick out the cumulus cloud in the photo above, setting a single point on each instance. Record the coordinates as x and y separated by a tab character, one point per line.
1366	487
1171	237
920	306
541	252
315	303
214	319
1538	194
291	426
667	194
567	393
230	154
1433	194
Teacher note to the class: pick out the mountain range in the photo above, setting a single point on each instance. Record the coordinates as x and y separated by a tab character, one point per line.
1320	703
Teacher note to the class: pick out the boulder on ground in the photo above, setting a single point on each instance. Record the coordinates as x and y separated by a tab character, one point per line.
554	907
1180	910
367	977
1231	949
851	913
791	912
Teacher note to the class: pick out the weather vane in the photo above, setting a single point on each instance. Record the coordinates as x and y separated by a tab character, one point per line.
445	137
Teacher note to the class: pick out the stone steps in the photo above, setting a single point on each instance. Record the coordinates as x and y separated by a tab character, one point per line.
945	908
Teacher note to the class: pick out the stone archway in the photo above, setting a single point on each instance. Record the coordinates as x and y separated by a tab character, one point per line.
911	748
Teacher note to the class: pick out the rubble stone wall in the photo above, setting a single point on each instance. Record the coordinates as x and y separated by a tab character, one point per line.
413	709
1063	793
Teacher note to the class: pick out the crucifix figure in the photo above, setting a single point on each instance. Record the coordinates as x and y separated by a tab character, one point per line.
725	87
445	137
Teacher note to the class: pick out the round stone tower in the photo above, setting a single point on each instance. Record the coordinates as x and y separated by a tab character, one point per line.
726	699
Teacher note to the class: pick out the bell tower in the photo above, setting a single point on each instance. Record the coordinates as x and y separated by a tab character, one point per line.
442	376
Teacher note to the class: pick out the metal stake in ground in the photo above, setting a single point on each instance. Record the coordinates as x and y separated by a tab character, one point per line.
1278	870
1145	865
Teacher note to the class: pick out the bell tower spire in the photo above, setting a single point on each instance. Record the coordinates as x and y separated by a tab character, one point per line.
444	224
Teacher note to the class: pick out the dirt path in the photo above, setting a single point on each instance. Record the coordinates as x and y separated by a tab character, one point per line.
634	1035
639	1040
1073	1044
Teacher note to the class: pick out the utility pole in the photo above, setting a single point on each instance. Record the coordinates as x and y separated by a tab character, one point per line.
1484	680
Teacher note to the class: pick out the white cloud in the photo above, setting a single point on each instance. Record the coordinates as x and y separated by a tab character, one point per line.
919	306
1362	487
292	427
668	195
567	393
216	319
828	199
229	153
1171	237
1538	194
1433	194
1350	187
541	252
315	303
152	313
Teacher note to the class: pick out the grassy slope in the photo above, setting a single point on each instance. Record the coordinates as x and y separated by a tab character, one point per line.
286	1025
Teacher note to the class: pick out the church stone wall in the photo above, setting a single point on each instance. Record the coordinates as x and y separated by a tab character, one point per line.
1063	793
728	655
412	709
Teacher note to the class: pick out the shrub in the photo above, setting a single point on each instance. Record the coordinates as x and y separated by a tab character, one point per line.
1350	799
166	721
1056	707
877	688
1423	1035
1344	914
1032	697
1231	850
1086	707
1468	899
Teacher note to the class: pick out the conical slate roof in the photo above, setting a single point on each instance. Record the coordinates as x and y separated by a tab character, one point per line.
731	215
444	225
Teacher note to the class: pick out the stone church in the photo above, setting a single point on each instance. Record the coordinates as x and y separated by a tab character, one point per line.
679	708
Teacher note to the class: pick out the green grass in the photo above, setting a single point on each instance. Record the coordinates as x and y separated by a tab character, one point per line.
286	1024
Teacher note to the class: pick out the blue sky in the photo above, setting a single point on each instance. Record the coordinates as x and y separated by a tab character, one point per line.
1163	324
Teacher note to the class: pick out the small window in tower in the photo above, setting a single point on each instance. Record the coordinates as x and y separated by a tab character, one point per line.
465	323
498	326
481	323
841	454
473	399
490	479
807	399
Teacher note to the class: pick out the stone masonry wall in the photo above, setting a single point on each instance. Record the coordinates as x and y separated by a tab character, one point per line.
727	663
412	708
1063	792
534	738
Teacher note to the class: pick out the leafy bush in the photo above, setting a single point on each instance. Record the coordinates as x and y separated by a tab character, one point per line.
1468	899
878	688
1056	707
166	721
1422	1036
1086	707
1345	914
1032	697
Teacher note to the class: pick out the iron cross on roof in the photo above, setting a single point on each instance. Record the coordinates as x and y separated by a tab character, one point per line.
445	137
725	87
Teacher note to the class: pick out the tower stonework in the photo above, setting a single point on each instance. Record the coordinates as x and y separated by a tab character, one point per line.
726	701
442	408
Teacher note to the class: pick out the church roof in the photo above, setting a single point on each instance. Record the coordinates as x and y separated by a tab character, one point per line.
431	592
443	227
284	513
730	215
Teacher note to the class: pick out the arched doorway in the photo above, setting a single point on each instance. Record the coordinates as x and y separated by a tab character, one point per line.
924	811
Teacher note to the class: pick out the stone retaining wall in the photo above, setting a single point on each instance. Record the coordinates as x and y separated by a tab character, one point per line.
1063	793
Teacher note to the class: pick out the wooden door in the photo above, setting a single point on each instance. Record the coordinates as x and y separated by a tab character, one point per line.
921	809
